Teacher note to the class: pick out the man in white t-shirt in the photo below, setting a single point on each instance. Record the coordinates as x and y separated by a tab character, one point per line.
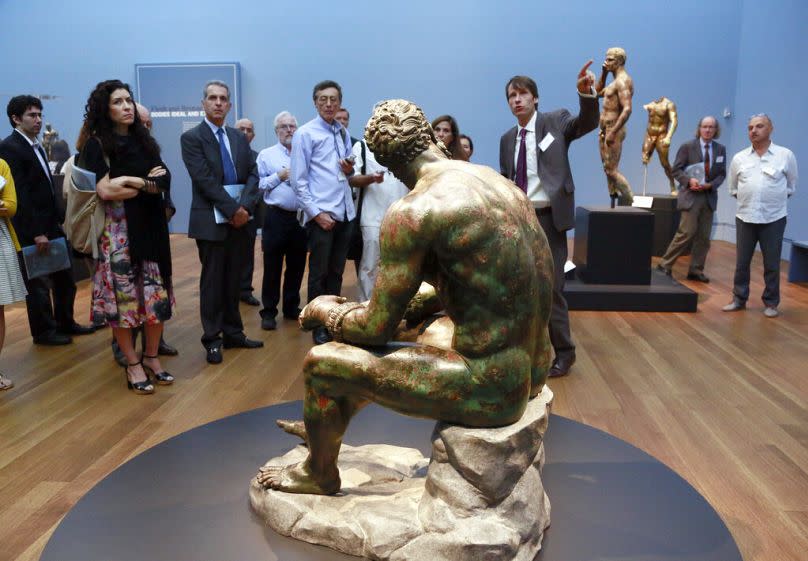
376	198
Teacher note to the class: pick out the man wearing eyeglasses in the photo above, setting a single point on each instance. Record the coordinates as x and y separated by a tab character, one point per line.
762	177
321	162
281	235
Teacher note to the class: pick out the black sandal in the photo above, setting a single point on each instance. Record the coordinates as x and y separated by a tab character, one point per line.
141	388
162	378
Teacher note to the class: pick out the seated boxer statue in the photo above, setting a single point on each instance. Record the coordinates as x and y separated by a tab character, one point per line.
474	238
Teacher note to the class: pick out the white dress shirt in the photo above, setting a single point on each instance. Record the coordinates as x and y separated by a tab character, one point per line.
535	192
762	184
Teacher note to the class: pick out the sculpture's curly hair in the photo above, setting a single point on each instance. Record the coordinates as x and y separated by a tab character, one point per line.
398	131
97	122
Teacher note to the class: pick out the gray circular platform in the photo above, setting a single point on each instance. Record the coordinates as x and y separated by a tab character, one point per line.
186	498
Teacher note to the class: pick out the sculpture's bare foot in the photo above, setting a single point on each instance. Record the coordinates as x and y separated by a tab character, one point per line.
295	428
296	478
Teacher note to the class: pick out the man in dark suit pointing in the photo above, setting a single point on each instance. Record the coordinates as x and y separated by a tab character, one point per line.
216	157
534	155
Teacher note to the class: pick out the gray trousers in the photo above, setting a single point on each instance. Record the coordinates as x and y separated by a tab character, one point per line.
770	237
695	225
560	336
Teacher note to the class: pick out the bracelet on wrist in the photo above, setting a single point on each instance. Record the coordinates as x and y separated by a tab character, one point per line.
336	316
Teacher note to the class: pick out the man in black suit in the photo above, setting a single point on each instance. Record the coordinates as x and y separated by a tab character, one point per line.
37	222
246	292
697	198
217	156
534	155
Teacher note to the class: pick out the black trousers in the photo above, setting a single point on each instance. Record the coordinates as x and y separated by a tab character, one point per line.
219	283
45	314
245	284
282	236
560	336
328	251
770	237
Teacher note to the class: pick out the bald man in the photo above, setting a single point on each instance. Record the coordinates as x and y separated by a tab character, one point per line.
246	126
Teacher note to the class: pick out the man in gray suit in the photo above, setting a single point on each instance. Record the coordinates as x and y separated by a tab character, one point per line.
217	156
697	197
534	155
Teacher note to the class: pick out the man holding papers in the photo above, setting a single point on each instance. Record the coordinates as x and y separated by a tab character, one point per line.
37	222
225	193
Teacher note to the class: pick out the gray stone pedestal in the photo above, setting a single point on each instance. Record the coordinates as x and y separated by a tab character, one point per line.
479	497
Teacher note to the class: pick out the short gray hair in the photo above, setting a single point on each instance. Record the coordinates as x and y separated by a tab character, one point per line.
282	115
762	116
215	83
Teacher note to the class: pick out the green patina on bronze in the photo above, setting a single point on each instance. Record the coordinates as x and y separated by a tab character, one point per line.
464	240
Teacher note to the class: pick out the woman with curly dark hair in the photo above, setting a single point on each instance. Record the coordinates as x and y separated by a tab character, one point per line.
132	280
446	130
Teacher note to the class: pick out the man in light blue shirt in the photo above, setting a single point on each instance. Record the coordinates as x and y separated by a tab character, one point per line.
321	162
281	236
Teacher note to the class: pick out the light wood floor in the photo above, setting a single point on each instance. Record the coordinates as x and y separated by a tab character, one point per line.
720	398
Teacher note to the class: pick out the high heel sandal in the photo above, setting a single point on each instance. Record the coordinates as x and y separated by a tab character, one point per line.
142	388
162	378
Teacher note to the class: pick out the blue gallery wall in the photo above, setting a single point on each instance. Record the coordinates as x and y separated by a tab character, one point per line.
449	57
771	80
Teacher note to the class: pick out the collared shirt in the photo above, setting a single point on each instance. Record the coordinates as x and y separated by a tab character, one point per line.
320	185
762	184
34	144
276	192
535	192
377	197
214	129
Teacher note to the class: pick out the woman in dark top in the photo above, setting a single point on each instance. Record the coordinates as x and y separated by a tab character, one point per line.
132	280
447	131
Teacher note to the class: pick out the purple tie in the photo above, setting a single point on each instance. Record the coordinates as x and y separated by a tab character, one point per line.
521	163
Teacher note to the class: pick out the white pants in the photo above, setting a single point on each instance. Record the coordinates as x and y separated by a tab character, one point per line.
369	265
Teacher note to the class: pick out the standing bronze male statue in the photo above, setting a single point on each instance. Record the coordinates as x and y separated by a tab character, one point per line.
662	122
473	236
613	118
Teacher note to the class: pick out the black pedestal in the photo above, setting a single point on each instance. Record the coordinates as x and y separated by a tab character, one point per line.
186	498
613	245
666	222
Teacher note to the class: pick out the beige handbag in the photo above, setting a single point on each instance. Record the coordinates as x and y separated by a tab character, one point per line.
84	214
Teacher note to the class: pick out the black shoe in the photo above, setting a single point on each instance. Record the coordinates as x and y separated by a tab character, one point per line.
269	324
561	366
663	270
242	343
701	277
166	350
162	378
250	299
321	335
52	338
293	315
214	355
77	329
120	358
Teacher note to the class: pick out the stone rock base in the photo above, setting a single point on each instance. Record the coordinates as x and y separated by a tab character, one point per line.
480	496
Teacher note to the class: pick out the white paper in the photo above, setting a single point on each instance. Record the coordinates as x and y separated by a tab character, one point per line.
719	159
235	192
546	141
83	179
643	202
568	266
2	183
768	170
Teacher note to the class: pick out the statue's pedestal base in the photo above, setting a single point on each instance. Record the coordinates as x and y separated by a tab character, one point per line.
481	496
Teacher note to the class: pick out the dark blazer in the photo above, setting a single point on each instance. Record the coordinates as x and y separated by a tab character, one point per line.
554	166
690	153
202	157
37	211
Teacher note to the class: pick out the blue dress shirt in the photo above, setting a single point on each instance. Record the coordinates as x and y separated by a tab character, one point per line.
276	192
320	185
